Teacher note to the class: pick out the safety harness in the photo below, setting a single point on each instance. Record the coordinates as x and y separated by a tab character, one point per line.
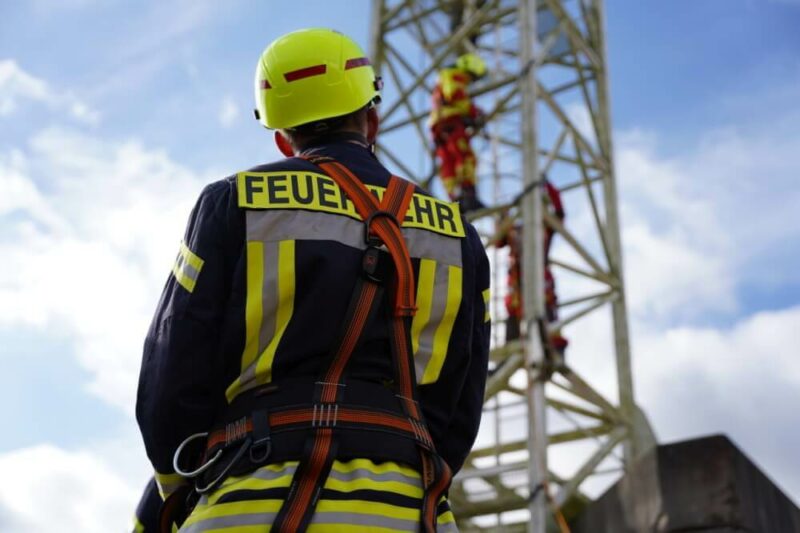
263	430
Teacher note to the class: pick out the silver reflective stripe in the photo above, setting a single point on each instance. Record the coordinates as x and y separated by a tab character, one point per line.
270	475
190	271
362	473
282	225
269	296
288	224
231	521
331	518
423	355
263	473
422	243
359	519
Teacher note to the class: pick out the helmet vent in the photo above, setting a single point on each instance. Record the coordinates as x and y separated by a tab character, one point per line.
307	72
356	62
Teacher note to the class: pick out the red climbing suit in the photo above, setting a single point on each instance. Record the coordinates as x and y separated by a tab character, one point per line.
452	112
513	299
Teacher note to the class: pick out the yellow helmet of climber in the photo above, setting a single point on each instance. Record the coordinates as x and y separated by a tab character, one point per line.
472	63
310	75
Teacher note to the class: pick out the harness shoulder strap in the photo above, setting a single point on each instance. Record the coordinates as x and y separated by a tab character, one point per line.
382	226
383	220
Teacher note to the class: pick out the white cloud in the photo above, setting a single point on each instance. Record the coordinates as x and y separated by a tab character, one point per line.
228	112
743	381
84	113
676	252
699	226
17	86
49	489
90	232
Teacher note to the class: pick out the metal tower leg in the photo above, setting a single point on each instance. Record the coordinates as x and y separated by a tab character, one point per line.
548	108
532	276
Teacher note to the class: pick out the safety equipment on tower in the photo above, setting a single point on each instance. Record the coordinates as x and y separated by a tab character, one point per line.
473	64
311	75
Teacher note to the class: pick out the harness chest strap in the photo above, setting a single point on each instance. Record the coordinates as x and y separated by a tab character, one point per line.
384	220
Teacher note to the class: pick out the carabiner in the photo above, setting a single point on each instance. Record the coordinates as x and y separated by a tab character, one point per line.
202	468
222	475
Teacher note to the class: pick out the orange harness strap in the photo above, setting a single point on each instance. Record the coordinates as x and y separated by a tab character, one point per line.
382	227
436	474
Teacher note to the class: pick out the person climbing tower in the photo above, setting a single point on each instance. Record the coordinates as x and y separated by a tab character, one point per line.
511	236
454	120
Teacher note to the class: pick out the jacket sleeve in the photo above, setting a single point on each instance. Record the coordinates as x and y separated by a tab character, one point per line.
179	384
466	417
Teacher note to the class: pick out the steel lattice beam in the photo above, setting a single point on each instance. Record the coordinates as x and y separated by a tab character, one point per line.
547	100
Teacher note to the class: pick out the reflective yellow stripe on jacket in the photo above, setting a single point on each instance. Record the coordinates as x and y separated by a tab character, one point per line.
268	309
358	496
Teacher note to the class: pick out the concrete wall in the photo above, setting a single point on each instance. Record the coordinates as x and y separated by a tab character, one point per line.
704	485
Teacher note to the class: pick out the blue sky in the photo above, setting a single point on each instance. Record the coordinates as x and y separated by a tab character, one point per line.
114	114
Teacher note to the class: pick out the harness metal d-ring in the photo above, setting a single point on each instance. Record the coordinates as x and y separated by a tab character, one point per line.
222	475
256	453
371	218
202	468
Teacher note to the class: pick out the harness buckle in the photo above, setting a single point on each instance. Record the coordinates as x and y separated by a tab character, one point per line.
370	264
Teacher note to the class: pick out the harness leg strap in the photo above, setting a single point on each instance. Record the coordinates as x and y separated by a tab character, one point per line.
309	478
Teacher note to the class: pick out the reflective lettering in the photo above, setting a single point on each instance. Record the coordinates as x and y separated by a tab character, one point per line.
296	190
344	200
424	214
317	192
325	189
445	214
276	184
250	188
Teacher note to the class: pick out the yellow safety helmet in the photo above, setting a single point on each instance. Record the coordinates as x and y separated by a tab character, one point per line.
310	75
472	63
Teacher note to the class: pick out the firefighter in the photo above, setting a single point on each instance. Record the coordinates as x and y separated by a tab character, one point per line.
453	121
511	237
319	353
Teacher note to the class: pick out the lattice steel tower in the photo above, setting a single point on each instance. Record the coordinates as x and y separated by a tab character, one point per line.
546	98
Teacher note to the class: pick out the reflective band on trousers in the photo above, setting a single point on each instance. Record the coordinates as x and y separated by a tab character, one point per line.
359	496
